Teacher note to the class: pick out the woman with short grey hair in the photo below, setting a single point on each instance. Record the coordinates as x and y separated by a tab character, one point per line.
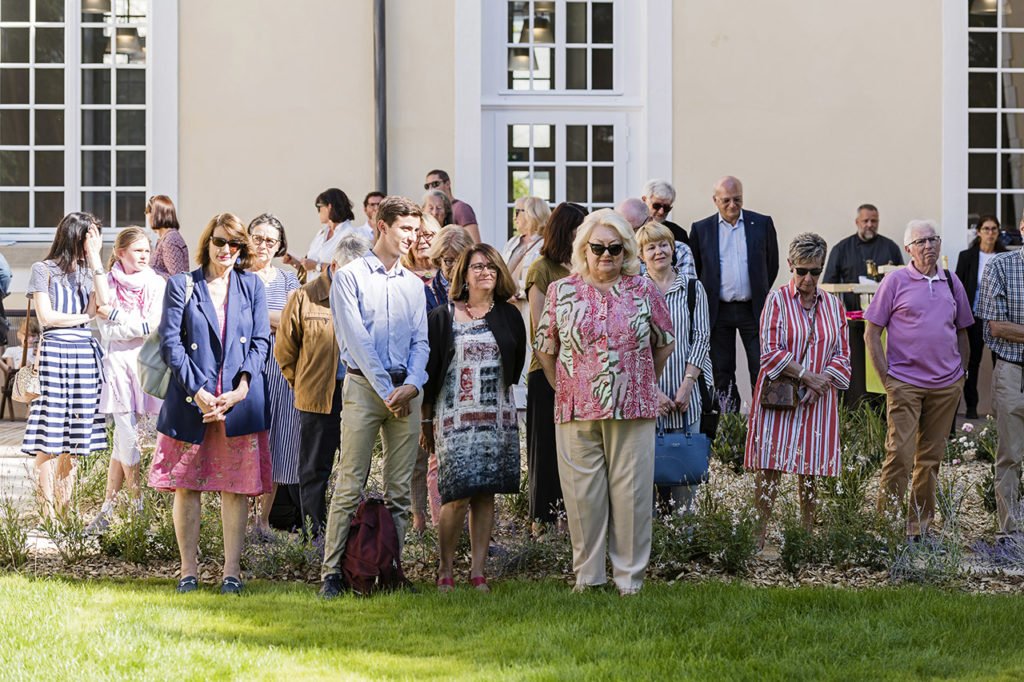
807	247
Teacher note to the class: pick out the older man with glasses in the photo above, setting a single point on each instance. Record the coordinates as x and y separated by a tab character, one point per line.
925	312
660	195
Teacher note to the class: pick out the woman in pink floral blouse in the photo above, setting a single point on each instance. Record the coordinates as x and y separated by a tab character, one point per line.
603	340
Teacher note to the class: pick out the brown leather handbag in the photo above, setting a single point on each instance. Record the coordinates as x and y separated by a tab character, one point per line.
783	393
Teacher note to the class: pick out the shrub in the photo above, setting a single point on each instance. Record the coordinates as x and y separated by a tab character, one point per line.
731	440
722	535
13	536
66	530
281	555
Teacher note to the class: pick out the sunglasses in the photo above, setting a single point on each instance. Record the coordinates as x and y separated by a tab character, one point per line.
232	245
599	249
433	184
803	272
667	208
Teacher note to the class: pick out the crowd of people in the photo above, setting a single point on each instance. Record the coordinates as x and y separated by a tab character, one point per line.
409	329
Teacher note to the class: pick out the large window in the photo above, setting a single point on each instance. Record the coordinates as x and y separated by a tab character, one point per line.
995	109
74	92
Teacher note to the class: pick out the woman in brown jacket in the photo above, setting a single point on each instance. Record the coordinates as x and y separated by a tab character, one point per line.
308	354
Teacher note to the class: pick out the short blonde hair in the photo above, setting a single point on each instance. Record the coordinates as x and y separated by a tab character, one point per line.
608	218
429	222
537	213
450	238
654	232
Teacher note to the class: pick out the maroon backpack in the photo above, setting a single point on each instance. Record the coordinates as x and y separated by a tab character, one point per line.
372	561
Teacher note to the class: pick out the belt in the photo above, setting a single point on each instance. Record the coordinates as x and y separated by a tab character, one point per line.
397	377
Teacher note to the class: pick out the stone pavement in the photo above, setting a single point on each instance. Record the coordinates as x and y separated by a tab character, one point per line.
15	467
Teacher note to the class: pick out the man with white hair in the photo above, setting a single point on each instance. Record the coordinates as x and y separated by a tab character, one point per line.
925	312
659	195
635	211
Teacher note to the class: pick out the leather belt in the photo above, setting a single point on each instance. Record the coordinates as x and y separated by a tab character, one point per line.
397	378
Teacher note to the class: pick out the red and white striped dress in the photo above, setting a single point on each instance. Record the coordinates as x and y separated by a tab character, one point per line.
805	440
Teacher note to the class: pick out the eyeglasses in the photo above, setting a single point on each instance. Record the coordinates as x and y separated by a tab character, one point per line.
517	211
478	268
926	241
425	236
667	208
232	245
599	249
433	184
990	228
319	205
448	262
259	241
731	200
803	272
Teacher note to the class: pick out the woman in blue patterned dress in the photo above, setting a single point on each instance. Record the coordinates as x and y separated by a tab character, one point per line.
477	352
268	242
64	421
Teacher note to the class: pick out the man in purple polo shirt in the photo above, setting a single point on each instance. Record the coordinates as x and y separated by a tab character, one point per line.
462	213
925	312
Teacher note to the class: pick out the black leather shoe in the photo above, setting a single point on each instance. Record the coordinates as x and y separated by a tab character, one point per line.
231	585
332	586
187	584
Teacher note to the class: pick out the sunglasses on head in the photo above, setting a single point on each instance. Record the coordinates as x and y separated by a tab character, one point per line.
232	245
599	249
803	272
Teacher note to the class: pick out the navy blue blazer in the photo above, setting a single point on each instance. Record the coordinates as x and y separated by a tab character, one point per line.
190	344
762	258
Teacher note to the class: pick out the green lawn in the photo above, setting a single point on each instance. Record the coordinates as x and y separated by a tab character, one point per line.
58	629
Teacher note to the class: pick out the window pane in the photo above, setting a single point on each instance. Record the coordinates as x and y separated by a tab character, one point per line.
1012	170
14	168
131	209
602	26
49	86
981	171
601	69
576	22
49	126
49	208
1013	129
13	10
14	209
13	86
543	143
14	126
604	144
131	127
1012	11
50	10
129	46
519	142
576	68
95	44
95	86
50	45
131	170
14	45
576	185
980	19
604	184
131	86
980	204
95	127
576	143
981	90
50	169
543	73
544	183
982	50
1012	94
544	23
97	203
518	14
518	183
96	168
1010	208
981	130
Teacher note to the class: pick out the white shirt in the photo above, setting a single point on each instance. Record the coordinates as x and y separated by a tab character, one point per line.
322	249
983	259
732	259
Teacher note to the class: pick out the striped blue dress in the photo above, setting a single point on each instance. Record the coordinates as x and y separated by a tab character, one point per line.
284	418
65	417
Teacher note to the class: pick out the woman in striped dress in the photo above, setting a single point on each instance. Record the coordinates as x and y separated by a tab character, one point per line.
64	421
269	241
690	362
803	337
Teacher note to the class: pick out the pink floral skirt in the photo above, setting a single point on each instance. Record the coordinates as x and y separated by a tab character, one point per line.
240	464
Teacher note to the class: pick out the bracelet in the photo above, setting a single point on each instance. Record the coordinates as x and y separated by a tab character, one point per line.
801	374
691	377
426	421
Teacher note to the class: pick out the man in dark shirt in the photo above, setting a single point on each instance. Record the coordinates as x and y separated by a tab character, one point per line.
659	195
848	261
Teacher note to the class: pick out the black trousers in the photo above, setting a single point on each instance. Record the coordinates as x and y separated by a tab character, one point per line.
976	341
733	318
319	439
545	488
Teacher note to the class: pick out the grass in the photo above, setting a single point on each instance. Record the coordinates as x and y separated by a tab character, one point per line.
58	629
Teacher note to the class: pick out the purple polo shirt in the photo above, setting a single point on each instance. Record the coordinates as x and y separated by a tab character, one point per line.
462	213
921	319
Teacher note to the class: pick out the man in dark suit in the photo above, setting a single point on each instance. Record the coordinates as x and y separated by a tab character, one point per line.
737	257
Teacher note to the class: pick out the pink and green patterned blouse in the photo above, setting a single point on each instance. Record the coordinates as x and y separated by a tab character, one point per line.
602	342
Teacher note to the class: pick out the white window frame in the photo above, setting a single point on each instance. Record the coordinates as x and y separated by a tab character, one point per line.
161	107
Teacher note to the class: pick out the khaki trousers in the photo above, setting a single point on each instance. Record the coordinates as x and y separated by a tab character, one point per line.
363	416
919	421
1008	401
607	472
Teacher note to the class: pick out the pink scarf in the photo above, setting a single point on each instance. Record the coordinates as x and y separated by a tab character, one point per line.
131	291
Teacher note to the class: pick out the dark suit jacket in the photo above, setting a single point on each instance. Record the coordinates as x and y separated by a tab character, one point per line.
762	258
190	344
967	268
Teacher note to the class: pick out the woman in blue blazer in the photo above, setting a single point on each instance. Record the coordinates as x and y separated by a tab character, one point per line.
212	430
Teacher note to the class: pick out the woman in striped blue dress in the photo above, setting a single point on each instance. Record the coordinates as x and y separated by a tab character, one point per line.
269	241
690	361
64	421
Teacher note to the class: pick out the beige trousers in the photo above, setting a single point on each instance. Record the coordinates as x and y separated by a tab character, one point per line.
919	423
1008	401
607	473
363	416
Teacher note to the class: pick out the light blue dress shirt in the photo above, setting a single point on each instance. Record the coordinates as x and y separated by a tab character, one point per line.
380	318
732	258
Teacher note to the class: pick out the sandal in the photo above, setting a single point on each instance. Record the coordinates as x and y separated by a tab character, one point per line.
187	584
479	583
445	585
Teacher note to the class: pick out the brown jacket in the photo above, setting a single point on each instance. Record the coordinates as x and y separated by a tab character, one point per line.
306	348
